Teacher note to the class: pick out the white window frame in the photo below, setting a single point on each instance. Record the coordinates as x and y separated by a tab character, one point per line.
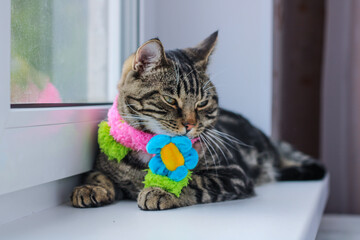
40	145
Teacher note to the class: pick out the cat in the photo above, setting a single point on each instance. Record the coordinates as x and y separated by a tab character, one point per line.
169	92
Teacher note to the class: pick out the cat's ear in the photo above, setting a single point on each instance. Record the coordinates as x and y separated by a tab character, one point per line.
201	53
149	55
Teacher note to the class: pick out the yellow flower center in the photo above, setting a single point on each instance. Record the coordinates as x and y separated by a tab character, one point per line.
171	156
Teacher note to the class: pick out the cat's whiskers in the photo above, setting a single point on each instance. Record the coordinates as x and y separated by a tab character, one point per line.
202	148
229	138
139	120
131	117
222	142
212	139
206	84
212	77
129	106
211	143
208	146
207	89
149	121
176	68
189	73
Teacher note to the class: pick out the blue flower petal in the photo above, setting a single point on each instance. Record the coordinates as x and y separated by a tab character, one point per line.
182	143
178	174
157	166
191	159
156	143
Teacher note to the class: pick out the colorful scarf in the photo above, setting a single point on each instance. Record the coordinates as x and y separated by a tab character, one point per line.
173	157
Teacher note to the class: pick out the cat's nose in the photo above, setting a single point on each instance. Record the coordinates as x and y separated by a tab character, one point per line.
189	120
188	126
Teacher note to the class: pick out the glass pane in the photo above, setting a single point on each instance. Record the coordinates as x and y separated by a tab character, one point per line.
59	51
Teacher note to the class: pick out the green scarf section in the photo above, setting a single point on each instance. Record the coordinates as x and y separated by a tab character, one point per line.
117	151
154	180
108	145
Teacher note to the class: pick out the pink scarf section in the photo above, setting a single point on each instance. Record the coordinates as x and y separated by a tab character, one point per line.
125	134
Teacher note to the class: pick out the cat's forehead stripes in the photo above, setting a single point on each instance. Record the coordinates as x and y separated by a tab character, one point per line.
185	73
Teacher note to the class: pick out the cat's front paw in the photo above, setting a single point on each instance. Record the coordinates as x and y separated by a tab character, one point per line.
91	196
154	198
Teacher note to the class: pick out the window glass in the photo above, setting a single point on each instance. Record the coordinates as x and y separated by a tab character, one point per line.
59	51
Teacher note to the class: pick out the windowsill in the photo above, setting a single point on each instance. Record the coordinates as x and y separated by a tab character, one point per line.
286	210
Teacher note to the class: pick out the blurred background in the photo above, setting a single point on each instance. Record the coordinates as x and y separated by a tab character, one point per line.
291	66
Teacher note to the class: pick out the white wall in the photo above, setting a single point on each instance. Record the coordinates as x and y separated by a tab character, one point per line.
241	66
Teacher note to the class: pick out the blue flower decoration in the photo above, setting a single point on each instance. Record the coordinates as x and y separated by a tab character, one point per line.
174	156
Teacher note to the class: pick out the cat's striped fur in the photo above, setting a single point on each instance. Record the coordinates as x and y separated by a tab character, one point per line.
234	156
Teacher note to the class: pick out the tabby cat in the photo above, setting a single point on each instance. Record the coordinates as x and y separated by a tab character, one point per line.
169	92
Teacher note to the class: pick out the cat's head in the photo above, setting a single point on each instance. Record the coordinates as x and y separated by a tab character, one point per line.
169	92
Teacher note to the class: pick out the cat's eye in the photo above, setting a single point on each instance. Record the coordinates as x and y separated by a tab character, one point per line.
169	100
203	103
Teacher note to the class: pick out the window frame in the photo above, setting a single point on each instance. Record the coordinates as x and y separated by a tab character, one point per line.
28	135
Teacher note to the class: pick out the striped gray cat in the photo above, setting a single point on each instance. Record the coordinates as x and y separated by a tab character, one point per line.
170	93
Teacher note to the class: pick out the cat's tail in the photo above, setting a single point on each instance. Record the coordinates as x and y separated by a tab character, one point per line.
295	165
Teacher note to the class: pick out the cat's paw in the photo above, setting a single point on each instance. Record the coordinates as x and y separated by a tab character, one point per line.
91	196
154	198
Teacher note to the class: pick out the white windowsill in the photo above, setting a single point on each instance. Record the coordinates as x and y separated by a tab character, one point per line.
285	210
